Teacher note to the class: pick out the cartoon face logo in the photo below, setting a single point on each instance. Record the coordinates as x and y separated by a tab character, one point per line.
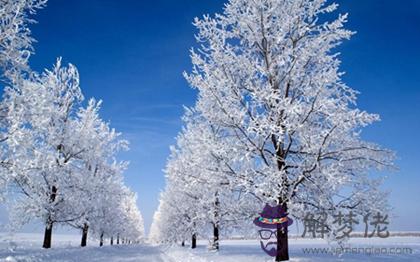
268	241
272	220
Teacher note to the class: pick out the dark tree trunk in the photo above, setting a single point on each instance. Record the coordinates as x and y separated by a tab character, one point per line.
101	239
183	243
194	241
118	239
49	223
48	234
111	242
215	244
282	241
282	235
215	237
84	235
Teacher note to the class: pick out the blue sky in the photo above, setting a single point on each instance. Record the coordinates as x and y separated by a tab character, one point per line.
132	54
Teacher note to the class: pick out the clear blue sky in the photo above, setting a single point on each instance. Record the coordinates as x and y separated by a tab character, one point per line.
132	54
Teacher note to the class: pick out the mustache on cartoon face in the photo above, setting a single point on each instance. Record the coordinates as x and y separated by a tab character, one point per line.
266	247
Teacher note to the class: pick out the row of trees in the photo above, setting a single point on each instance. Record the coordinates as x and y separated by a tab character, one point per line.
200	195
273	123
58	157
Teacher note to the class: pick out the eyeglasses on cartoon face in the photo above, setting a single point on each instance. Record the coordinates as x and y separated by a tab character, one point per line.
267	234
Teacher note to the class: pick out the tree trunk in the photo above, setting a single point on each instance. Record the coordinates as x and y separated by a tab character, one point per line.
118	239
101	239
194	241
215	237
111	242
183	243
215	245
282	241
48	234
84	235
49	223
282	235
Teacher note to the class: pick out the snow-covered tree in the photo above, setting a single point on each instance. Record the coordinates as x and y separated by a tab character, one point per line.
42	146
15	49
62	156
117	216
131	221
268	74
200	198
15	36
105	217
57	156
98	172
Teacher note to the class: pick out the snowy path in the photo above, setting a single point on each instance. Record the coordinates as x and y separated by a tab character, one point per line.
133	253
26	248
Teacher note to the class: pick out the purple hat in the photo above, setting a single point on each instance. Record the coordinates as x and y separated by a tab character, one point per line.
273	217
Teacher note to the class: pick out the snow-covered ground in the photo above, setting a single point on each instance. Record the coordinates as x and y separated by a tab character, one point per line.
26	247
249	251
